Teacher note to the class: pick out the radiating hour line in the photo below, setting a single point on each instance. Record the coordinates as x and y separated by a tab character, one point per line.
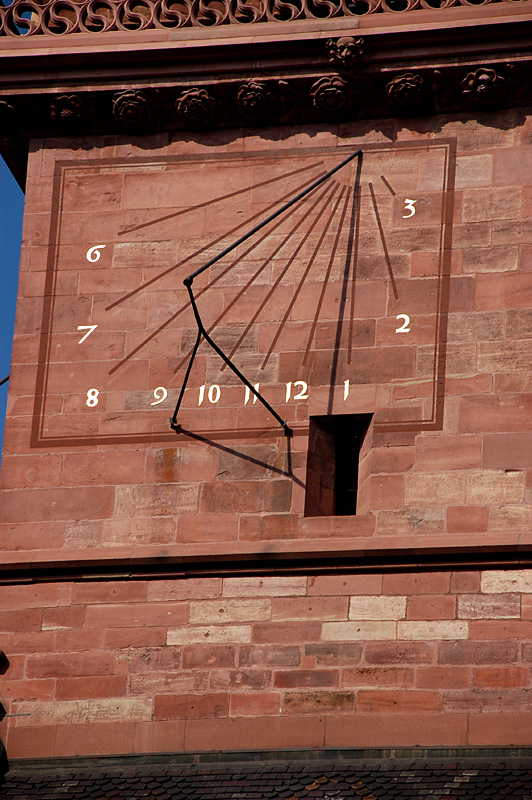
306	272
328	191
255	275
383	241
388	186
131	228
326	280
207	246
353	247
210	284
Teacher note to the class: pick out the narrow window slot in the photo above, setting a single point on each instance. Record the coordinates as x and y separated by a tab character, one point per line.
332	464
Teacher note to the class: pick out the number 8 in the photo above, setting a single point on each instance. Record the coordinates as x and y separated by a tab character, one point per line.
92	397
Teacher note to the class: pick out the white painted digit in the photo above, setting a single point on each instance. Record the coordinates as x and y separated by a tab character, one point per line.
92	398
214	393
303	394
88	328
409	206
248	394
93	253
201	394
403	328
160	394
346	389
288	391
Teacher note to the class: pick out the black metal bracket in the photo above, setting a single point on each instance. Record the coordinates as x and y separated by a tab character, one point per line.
202	333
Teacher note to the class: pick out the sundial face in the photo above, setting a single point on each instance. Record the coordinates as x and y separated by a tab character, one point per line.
346	289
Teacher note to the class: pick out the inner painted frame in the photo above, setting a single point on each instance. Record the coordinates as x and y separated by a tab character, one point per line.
319	304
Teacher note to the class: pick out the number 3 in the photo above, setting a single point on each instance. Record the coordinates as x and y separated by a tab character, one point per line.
409	206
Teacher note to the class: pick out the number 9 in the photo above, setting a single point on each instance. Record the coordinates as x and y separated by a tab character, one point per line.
160	394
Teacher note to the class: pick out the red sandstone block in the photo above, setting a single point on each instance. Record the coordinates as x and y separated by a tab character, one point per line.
303	608
500	729
319	702
442	677
50	665
28	689
54	618
32	742
272	632
334	654
97	738
344	584
195	656
78	639
465	582
21	620
147	659
414	583
160	736
469	652
109	592
304	678
500	629
271	733
208	528
378	676
42	595
448	452
400	653
526	606
430	606
255	704
15	671
134	637
136	614
467	519
507	450
79	688
102	468
38	642
184	589
191	706
269	656
501	676
55	504
405	701
397	730
503	291
22	471
255	679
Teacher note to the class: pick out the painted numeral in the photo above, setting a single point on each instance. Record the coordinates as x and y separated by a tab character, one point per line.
93	253
213	394
346	389
301	395
248	394
406	321
92	398
88	328
160	394
409	206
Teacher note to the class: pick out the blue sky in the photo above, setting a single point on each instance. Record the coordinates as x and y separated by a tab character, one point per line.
12	206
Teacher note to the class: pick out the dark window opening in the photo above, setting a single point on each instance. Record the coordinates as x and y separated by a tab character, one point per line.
334	451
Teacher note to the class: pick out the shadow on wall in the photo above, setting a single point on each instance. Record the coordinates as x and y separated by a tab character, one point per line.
4	765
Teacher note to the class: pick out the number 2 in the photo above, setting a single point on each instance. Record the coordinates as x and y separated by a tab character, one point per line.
403	328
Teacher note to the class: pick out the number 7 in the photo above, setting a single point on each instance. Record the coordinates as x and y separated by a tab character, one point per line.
88	328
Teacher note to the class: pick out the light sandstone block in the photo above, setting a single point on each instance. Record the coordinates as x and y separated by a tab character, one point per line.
383	607
442	629
215	611
209	634
503	581
264	587
435	488
353	631
485	487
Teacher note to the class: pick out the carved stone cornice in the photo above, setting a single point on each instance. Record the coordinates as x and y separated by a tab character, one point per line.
301	72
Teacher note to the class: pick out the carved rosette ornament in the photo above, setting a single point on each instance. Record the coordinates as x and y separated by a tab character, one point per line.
345	50
408	92
132	109
196	107
332	96
68	110
255	101
483	87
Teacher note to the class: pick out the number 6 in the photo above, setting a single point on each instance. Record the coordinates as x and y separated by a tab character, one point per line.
93	253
